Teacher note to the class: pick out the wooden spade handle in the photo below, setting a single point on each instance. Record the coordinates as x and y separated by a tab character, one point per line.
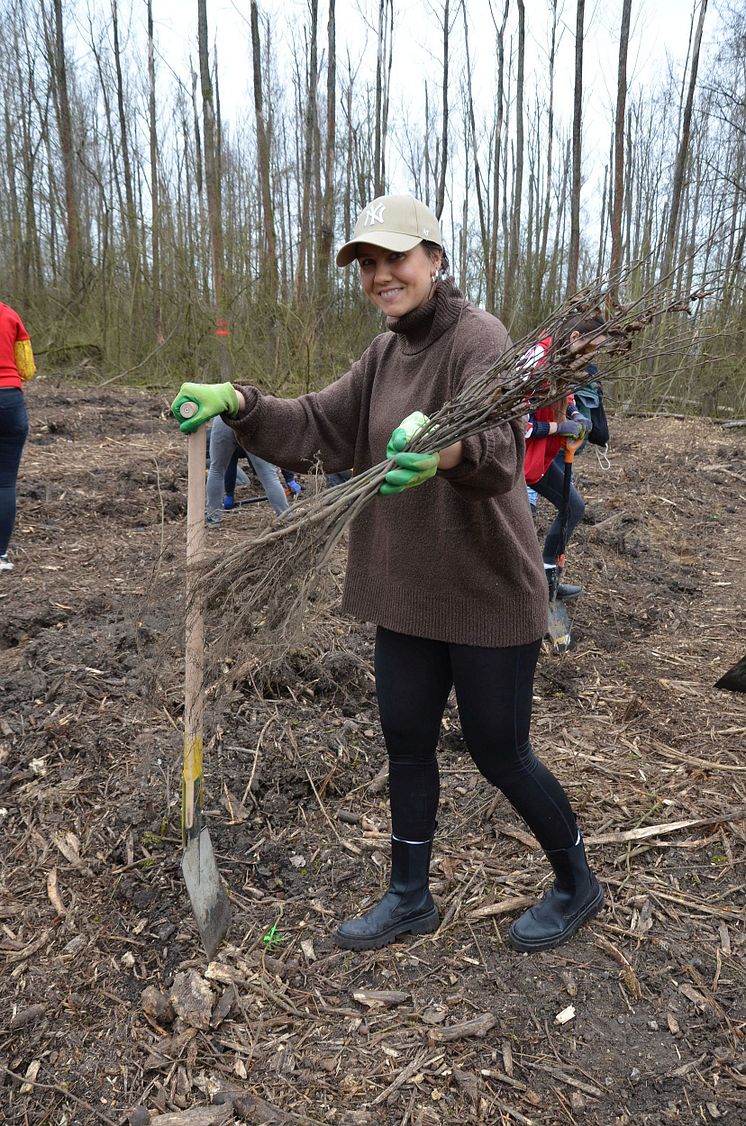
194	696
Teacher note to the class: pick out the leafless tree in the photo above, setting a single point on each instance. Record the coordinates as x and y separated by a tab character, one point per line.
269	263
618	165
683	148
577	148
511	269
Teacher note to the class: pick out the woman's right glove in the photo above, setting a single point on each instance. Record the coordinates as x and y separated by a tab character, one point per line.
412	469
210	398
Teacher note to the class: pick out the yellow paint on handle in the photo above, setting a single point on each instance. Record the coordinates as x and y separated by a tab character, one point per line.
192	757
191	787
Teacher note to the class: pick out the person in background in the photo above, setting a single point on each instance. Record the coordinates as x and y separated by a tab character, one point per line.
332	479
533	496
544	465
292	485
533	500
16	367
445	562
224	445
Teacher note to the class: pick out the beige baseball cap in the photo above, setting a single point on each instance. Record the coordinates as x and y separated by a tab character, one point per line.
395	222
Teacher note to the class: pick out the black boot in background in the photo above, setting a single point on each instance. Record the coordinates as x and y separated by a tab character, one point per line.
406	908
575	897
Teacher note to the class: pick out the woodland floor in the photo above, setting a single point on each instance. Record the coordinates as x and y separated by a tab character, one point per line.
95	924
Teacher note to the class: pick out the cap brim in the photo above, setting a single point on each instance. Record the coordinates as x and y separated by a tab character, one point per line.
387	239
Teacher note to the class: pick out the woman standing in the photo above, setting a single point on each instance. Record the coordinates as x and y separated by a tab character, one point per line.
450	573
16	365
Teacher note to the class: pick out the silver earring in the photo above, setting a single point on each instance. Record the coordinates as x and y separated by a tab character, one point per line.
433	278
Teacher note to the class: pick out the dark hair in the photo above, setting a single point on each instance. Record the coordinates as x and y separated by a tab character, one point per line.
433	248
585	324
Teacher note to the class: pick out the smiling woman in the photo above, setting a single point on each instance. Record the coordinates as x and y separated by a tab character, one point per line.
396	242
444	561
397	282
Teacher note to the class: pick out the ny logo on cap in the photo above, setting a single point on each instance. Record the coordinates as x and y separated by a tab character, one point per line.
374	214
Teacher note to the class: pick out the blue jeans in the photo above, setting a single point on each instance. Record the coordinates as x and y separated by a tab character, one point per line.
223	446
550	487
13	434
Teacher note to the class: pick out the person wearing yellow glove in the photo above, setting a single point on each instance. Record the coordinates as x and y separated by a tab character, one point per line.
16	368
445	562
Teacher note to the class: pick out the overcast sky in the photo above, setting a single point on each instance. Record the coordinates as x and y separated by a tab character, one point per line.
658	45
660	31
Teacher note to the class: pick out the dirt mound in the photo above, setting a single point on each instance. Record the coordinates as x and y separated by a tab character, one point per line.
106	1003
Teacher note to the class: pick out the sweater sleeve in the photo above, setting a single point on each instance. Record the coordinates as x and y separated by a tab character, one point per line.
493	461
536	427
294	432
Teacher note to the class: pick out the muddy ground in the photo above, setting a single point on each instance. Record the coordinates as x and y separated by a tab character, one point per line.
95	924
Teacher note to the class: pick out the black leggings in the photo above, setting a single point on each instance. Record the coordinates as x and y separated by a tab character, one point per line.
494	692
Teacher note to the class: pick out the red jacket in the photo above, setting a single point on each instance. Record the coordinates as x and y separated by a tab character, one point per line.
541	447
12	333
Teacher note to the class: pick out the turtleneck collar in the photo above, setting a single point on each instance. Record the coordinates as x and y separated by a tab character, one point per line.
423	325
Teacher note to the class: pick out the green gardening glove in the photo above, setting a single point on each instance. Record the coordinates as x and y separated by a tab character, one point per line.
210	399
412	469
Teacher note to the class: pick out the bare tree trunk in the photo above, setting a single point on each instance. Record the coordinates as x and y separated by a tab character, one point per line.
577	142
542	265
603	219
130	226
621	107
440	191
483	225
269	271
326	233
511	273
212	186
309	129
155	219
683	150
383	77
14	217
497	159
553	286
387	93
67	148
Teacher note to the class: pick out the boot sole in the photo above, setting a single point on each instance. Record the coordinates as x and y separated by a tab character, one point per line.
523	947
425	924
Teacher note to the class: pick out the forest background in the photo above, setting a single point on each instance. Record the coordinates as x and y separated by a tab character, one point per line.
167	215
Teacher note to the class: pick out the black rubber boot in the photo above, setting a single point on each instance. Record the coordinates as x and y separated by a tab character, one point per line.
566	592
575	897
406	908
563	591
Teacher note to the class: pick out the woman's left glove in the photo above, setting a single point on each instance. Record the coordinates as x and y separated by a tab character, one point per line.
211	399
583	422
412	469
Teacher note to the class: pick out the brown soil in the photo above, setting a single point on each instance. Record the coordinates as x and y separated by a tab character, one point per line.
93	909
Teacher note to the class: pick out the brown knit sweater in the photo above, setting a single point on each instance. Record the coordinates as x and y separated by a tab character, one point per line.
455	559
